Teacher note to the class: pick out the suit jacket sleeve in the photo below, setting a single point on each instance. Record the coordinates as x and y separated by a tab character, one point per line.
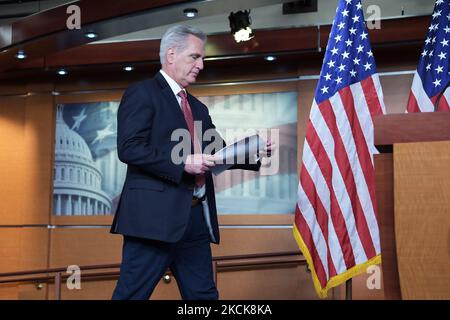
134	127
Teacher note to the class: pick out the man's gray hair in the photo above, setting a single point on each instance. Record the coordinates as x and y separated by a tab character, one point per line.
176	37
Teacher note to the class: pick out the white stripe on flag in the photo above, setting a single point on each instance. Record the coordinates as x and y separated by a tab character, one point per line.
362	190
307	210
364	117
447	95
338	184
377	83
423	101
310	164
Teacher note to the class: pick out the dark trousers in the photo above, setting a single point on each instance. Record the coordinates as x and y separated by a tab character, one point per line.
145	261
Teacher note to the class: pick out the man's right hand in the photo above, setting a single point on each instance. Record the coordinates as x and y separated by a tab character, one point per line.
199	163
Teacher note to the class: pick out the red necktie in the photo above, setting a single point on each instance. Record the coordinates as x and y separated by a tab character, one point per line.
187	111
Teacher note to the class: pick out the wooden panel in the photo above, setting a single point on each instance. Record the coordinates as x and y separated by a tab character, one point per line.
12	88
422	218
292	39
288	283
31	291
224	219
10	261
38	152
9	291
256	219
34	244
22	249
91	246
132	51
237	241
412	127
25	161
384	179
94	289
9	249
12	161
97	246
414	29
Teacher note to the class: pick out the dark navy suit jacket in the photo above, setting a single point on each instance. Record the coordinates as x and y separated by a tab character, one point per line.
156	198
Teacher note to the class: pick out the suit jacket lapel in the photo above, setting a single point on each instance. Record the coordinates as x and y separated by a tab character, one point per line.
197	117
172	102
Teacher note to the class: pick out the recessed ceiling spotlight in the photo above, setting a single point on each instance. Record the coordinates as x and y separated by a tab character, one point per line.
91	35
62	72
270	58
190	12
128	68
21	55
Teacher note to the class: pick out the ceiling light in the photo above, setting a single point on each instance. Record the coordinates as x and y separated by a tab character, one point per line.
190	12
240	25
128	68
21	55
91	35
62	72
270	58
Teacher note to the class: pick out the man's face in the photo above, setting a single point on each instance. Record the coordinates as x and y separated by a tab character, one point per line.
187	63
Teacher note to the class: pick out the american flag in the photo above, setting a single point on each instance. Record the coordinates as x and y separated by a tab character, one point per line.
433	75
336	224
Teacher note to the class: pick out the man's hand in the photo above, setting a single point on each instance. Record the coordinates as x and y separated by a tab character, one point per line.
268	149
199	163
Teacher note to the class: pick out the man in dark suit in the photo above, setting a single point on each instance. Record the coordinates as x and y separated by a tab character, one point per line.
167	211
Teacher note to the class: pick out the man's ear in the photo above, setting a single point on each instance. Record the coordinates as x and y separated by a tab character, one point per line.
170	55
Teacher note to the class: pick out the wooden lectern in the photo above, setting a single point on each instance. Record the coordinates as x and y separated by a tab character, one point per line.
413	198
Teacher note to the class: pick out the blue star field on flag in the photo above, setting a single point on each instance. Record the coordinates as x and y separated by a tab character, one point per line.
433	66
348	57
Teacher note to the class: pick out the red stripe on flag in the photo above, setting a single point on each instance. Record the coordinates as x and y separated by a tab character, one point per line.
371	94
362	149
335	211
321	214
345	169
443	103
303	228
412	106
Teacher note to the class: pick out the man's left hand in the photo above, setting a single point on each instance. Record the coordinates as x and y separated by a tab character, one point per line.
268	149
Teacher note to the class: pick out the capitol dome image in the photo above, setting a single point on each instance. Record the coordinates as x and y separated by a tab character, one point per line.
77	179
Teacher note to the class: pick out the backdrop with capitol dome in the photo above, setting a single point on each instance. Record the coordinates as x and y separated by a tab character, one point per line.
88	176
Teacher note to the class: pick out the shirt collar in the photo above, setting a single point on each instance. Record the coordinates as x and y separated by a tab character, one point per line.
173	85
